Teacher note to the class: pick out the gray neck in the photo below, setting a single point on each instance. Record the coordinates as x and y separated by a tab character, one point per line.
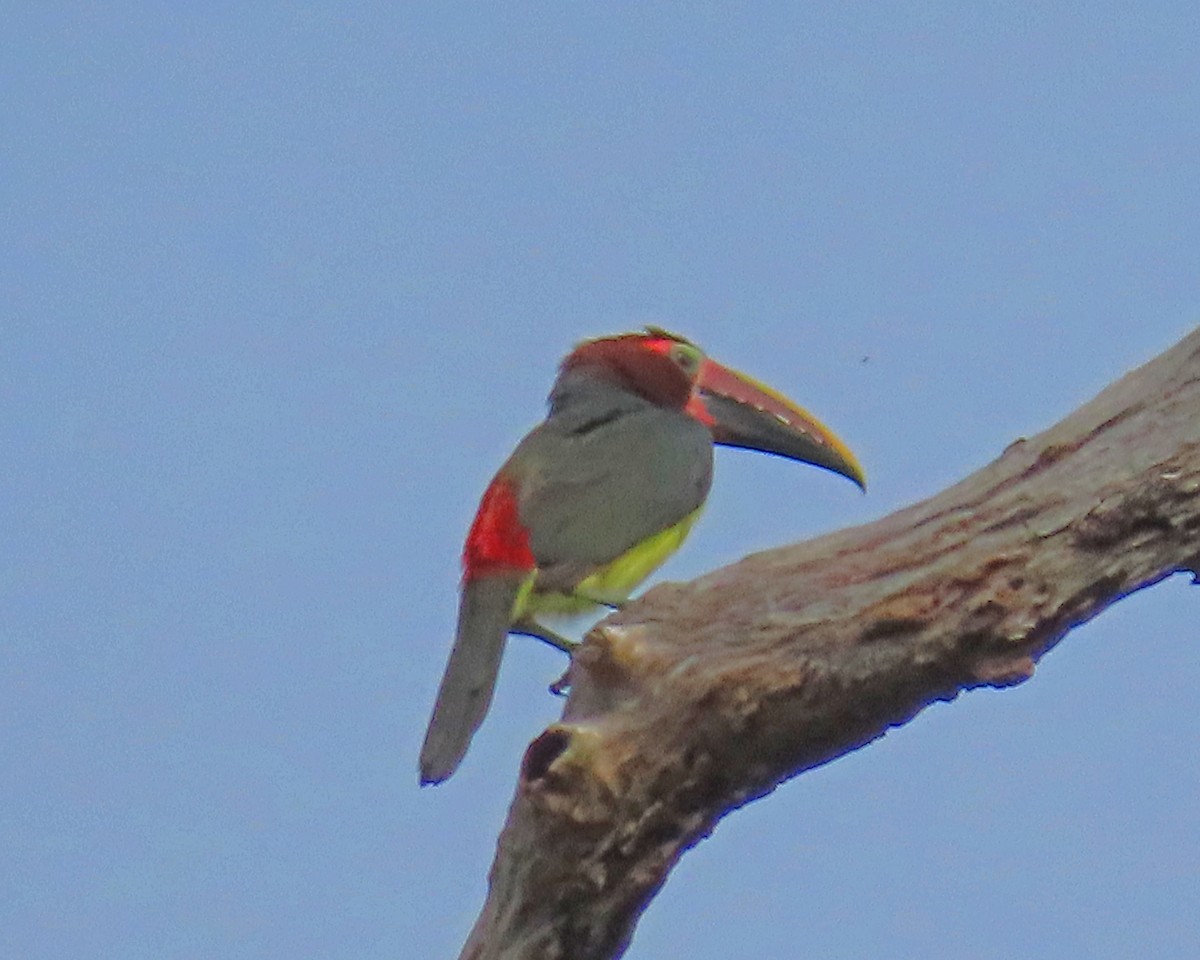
584	397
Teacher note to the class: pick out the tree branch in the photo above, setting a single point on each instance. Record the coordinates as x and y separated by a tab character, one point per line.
700	697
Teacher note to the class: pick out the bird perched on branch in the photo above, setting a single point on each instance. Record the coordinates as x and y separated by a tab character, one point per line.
597	496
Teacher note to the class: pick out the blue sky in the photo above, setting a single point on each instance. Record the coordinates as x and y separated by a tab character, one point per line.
283	285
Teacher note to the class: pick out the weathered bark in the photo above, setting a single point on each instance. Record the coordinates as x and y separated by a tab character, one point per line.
703	696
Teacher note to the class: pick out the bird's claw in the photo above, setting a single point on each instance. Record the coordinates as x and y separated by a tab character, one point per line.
560	686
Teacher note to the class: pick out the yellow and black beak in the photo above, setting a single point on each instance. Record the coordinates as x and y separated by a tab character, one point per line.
741	412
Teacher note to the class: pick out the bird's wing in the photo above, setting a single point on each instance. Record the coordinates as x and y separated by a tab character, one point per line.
589	492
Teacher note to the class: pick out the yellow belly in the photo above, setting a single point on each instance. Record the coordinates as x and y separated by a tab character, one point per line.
613	583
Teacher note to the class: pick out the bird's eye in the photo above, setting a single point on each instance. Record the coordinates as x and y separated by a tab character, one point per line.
687	359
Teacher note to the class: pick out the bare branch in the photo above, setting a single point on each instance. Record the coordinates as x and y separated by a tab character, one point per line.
703	696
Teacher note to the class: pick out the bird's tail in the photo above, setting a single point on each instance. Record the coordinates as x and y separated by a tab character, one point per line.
484	616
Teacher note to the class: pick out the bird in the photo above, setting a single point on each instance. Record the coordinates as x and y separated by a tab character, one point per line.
597	496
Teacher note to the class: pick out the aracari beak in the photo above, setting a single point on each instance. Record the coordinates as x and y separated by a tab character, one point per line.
741	412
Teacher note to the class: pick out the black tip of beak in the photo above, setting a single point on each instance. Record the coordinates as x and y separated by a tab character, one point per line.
740	425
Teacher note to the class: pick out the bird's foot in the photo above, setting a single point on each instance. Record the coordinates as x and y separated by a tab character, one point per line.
531	628
601	602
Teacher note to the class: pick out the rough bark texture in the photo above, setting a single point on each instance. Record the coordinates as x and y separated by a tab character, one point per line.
703	696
